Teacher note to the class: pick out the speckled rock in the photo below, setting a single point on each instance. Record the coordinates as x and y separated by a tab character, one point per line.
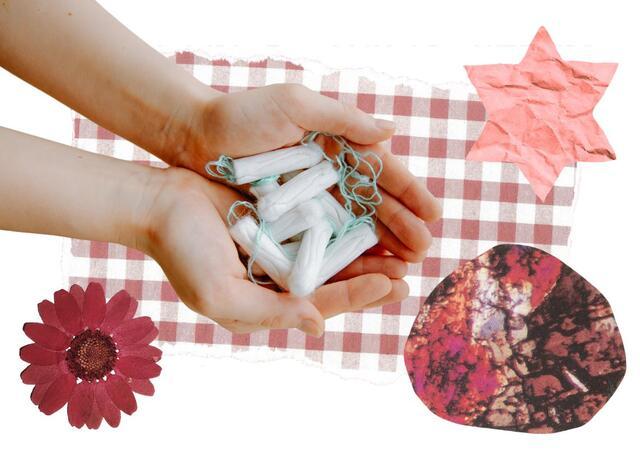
515	340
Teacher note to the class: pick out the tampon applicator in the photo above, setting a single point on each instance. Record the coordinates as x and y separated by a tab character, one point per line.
256	167
304	186
265	252
334	212
306	268
345	250
263	187
296	220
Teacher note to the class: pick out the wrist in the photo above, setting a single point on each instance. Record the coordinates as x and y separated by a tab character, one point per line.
183	141
129	207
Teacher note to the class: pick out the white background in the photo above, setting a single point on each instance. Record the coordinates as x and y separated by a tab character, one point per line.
227	404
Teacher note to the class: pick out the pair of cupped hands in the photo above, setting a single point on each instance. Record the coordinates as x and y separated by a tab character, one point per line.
186	229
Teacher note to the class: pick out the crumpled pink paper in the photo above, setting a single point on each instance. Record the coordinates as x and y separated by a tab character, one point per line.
539	113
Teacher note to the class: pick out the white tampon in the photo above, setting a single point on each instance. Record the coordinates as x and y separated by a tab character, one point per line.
266	253
255	269
291	249
345	250
302	187
262	189
306	268
296	220
253	168
335	213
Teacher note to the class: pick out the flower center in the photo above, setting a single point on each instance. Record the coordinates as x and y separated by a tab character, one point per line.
91	355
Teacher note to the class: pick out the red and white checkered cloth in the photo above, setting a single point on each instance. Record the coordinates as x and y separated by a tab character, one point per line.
484	203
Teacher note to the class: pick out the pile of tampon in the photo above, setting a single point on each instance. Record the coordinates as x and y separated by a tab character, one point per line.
297	233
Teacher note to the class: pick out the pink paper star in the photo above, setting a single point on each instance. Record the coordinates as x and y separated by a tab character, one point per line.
539	113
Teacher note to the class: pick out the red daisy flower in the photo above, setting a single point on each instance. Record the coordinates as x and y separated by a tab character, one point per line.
90	355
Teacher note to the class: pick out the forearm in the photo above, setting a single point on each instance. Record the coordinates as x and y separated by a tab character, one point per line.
79	54
54	189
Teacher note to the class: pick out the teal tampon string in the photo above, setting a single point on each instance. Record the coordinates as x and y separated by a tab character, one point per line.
352	182
265	180
223	168
357	189
232	217
263	229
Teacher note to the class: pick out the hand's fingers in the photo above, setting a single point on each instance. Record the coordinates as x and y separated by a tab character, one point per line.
391	242
350	295
390	266
251	305
315	112
238	327
405	225
399	291
378	249
402	184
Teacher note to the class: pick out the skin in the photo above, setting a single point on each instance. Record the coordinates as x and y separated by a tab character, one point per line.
82	56
170	214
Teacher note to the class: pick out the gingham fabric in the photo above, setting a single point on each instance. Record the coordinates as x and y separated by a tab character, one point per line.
484	204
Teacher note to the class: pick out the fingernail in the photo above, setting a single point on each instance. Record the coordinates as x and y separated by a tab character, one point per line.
309	327
385	124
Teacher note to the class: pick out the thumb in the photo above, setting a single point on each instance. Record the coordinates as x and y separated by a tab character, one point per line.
315	112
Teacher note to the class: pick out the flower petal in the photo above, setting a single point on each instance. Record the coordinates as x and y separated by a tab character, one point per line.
68	312
38	392
64	366
94	308
47	312
95	418
132	331
120	393
110	412
117	309
46	336
142	351
135	367
80	404
143	386
78	294
153	334
58	394
133	307
35	375
35	354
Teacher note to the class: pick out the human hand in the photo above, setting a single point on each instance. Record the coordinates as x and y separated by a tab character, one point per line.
166	111
185	233
163	109
272	117
176	217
